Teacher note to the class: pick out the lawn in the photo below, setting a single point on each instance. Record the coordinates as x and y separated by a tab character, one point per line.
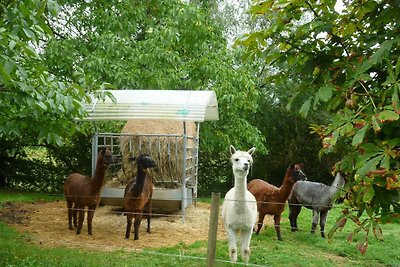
296	249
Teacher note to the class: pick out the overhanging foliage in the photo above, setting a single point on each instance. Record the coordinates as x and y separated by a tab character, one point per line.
349	65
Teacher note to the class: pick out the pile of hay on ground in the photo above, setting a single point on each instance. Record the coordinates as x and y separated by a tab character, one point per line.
165	146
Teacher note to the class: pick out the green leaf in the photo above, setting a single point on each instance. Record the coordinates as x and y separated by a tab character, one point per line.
261	8
349	29
390	70
325	92
387	115
305	108
12	44
4	75
30	34
281	4
370	165
359	136
58	140
346	129
369	194
370	151
382	52
42	105
385	163
397	69
375	124
53	7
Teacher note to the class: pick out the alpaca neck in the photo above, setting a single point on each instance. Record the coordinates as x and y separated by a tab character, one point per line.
240	185
286	188
332	190
98	178
336	184
139	183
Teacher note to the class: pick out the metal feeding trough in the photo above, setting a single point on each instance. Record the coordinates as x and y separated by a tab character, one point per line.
162	123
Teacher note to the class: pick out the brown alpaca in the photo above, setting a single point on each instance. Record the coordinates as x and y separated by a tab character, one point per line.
271	199
81	191
138	194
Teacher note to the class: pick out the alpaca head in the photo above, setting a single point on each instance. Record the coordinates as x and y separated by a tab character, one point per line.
241	160
105	156
144	161
295	173
339	180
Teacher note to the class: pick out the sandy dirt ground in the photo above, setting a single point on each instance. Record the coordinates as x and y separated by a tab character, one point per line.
48	225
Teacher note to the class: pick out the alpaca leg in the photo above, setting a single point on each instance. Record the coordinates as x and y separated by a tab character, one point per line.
324	215
277	221
294	211
91	210
81	217
314	221
147	211
129	218
245	237
75	215
138	220
70	214
260	222
232	244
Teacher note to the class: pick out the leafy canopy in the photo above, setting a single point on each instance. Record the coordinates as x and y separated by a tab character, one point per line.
347	63
35	104
157	45
55	53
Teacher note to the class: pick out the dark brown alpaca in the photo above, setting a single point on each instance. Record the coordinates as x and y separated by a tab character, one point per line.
138	194
81	191
271	199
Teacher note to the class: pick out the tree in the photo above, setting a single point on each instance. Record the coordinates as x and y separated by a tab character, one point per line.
58	53
288	140
347	63
35	104
37	107
158	45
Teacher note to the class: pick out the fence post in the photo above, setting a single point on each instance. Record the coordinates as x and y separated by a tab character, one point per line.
212	229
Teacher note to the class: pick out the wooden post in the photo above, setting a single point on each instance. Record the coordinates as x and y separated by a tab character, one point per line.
212	229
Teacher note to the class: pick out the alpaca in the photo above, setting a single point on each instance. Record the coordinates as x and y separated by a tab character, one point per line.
81	191
271	199
239	209
316	196
137	197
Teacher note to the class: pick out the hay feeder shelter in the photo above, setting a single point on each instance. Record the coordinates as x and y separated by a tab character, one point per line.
162	123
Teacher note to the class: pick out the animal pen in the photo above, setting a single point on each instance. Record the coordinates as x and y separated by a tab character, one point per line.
162	123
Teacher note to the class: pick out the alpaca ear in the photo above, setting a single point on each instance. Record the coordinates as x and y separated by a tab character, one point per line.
251	150
103	151
232	149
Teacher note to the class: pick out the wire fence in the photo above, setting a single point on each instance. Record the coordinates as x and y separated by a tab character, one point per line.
194	200
182	255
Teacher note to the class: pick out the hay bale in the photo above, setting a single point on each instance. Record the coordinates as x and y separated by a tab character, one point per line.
166	150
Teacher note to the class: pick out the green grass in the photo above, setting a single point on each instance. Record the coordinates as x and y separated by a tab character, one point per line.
296	249
19	196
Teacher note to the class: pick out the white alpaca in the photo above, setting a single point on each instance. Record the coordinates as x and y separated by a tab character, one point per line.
239	210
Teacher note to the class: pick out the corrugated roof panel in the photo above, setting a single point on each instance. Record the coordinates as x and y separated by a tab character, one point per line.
181	105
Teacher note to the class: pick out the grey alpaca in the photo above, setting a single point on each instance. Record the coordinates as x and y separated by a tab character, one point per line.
316	196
